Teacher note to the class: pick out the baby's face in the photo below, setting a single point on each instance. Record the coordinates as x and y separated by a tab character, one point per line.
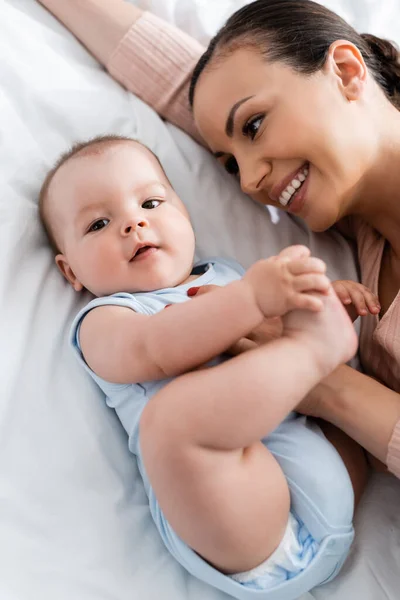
119	224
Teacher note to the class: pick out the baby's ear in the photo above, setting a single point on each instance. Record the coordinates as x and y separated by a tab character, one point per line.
68	273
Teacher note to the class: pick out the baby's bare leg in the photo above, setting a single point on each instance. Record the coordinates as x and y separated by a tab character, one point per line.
231	505
218	486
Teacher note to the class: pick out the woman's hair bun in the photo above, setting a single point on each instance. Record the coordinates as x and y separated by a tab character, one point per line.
387	58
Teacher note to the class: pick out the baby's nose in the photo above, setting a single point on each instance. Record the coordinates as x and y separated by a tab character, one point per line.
134	224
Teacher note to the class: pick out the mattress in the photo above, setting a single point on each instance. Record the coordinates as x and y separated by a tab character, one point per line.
74	519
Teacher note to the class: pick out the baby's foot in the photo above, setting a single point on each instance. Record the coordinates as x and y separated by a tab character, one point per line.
329	334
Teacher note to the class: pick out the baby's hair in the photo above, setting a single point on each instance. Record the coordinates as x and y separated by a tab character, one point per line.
89	147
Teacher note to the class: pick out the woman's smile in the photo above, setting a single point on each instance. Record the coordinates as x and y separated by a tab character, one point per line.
287	190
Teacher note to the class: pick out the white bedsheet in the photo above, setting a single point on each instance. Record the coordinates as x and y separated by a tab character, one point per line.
74	521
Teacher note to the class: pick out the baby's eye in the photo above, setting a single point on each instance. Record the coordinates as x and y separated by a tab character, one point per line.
231	166
251	127
99	224
152	203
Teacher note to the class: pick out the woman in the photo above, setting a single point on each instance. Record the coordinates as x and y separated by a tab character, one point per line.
325	104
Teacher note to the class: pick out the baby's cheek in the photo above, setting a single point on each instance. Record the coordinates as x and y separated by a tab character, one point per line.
101	265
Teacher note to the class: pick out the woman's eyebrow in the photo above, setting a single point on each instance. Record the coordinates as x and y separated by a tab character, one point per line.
230	120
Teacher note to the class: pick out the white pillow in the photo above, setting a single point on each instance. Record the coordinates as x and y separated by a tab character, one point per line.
202	18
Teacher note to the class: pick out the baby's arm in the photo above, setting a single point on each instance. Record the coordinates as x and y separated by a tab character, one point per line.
123	346
357	299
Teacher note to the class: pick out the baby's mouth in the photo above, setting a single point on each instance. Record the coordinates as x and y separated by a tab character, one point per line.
143	251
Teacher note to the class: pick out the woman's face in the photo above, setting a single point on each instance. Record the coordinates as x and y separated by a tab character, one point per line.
295	141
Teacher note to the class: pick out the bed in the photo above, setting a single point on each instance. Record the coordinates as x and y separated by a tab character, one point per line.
74	520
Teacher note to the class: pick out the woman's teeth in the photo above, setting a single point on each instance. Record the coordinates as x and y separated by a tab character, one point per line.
293	187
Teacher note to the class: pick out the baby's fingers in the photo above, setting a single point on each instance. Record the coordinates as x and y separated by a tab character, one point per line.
298	266
293	252
316	282
312	302
358	300
342	292
372	302
364	300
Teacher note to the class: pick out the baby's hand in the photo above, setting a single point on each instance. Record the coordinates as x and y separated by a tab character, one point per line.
291	280
356	298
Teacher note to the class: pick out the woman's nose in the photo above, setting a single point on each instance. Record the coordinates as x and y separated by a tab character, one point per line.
133	224
253	174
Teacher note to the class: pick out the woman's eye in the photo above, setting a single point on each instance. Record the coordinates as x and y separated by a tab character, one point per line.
99	224
231	166
149	204
251	127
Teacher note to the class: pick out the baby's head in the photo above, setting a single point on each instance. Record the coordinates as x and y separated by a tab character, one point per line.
114	220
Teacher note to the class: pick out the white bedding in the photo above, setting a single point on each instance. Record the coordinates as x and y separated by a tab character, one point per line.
74	521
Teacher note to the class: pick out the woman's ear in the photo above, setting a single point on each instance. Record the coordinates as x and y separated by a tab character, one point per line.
68	273
346	62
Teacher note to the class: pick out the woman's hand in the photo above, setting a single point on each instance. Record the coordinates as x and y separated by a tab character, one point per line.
270	329
360	406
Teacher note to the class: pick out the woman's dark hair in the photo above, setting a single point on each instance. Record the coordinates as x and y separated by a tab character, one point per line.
299	34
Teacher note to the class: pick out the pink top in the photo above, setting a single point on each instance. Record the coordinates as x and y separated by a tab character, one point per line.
154	60
380	338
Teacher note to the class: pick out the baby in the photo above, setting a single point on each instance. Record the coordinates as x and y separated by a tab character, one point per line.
245	494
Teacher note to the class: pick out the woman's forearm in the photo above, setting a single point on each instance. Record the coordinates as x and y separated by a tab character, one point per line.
151	58
98	24
361	406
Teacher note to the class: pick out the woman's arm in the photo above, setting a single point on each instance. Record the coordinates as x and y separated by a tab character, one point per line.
98	24
148	56
363	408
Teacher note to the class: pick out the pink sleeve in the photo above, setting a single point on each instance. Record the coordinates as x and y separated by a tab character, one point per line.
154	60
393	457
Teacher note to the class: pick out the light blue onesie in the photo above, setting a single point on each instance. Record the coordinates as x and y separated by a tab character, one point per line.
322	499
